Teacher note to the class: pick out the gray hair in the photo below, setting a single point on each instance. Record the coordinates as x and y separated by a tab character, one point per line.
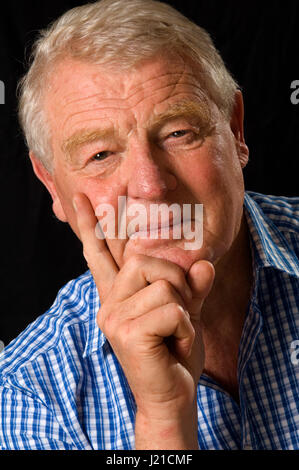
119	33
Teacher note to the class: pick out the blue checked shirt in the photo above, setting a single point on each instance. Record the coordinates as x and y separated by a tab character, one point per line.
61	386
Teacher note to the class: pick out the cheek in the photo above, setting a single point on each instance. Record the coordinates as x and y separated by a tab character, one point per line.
203	175
98	191
66	189
214	169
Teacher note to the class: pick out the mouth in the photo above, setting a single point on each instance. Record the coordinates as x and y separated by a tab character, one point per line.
171	230
152	226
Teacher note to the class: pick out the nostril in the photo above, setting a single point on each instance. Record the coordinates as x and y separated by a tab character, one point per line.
171	182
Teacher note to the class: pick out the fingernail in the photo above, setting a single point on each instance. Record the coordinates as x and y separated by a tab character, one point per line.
74	205
187	313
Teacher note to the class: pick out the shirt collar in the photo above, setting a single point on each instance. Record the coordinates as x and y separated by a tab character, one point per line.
270	250
270	247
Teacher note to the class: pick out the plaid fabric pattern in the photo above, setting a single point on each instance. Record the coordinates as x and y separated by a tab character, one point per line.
61	386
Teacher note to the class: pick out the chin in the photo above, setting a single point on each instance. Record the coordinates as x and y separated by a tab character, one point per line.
170	251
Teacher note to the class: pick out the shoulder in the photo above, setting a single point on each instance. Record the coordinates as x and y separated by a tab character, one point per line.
273	222
280	215
69	313
282	211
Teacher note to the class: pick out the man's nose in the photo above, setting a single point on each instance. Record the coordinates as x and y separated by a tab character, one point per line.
149	177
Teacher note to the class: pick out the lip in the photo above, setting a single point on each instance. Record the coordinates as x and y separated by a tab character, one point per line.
150	227
155	232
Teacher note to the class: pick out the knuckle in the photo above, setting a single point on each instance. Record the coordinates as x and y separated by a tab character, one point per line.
164	287
117	331
177	311
107	323
125	336
136	261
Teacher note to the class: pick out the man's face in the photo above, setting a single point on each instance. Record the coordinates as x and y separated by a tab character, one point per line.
149	135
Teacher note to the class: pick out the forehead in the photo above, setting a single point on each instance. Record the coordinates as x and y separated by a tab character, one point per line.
81	93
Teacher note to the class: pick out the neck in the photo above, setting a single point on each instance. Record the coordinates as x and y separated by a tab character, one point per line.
229	296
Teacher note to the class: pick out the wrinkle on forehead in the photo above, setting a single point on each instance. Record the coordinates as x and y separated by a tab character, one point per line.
123	105
140	87
129	83
127	101
123	92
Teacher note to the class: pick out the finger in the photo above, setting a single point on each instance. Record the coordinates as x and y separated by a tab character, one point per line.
96	252
141	270
151	297
200	277
169	320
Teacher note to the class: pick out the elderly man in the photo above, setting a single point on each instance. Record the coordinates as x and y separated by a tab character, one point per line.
158	346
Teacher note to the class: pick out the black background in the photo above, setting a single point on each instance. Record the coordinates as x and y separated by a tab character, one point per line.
259	43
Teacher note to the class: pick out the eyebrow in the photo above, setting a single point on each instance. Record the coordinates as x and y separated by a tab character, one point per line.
81	137
182	109
185	109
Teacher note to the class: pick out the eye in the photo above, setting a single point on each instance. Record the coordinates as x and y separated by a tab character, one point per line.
101	156
180	133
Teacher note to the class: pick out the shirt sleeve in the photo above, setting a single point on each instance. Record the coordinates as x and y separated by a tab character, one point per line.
27	424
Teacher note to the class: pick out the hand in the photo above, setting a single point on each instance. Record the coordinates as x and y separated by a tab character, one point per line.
150	314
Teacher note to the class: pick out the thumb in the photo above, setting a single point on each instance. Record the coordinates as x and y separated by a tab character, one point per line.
200	277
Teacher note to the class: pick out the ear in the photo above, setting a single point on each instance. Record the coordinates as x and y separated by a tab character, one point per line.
47	179
237	127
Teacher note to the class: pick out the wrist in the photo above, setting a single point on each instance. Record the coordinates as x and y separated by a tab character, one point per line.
164	432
